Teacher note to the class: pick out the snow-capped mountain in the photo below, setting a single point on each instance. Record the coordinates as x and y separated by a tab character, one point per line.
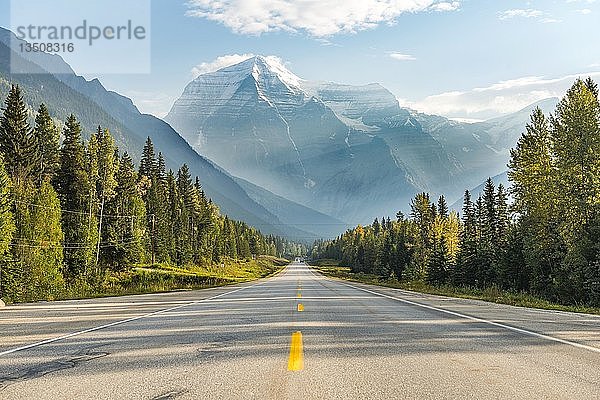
348	151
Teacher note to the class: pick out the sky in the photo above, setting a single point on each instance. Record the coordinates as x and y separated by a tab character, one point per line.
466	59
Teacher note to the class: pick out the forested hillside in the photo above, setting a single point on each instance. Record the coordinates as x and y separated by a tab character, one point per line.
77	216
545	242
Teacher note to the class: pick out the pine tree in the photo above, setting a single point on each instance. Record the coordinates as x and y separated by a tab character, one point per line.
439	263
423	215
175	208
502	228
188	204
466	268
148	163
17	141
442	207
126	221
48	136
487	236
161	167
74	188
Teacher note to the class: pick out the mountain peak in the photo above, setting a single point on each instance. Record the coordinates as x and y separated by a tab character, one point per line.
261	68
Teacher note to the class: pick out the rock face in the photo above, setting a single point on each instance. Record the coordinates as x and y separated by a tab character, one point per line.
347	151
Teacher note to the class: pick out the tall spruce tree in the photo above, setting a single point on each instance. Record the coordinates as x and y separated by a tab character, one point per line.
48	136
18	144
487	235
422	213
161	167
73	186
442	207
466	269
439	263
148	163
126	219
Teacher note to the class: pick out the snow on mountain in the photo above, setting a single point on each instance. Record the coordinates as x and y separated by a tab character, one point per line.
329	146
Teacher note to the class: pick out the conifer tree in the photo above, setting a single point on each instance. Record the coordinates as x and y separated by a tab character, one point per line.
442	207
423	215
74	188
48	136
126	221
438	264
161	167
148	163
487	235
17	141
466	268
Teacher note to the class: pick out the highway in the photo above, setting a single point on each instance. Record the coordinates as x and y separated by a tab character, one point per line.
298	335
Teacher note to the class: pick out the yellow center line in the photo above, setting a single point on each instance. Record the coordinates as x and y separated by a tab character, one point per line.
296	360
300	307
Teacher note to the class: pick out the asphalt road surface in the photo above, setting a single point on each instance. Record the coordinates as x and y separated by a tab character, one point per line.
298	335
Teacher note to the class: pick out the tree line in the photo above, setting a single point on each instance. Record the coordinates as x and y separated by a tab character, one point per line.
72	209
541	236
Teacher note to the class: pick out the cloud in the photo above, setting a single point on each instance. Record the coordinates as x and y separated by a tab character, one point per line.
219	62
529	13
498	98
584	11
318	18
446	6
402	57
520	13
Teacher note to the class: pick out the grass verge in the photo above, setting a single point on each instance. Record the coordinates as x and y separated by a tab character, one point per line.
492	294
159	278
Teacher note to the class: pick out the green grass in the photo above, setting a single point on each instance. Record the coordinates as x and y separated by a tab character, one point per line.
158	278
491	294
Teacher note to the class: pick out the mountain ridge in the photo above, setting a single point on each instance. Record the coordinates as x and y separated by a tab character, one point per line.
315	142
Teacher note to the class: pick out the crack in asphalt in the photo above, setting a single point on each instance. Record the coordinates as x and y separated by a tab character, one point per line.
170	395
40	370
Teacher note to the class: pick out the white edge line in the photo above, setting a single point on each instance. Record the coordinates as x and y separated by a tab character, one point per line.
97	328
485	321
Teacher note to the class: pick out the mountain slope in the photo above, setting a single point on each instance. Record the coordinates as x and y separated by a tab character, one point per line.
314	223
347	151
68	93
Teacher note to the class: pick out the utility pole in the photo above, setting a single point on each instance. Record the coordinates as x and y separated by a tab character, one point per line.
100	230
152	240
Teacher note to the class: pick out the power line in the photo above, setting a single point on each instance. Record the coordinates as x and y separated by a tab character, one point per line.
75	212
